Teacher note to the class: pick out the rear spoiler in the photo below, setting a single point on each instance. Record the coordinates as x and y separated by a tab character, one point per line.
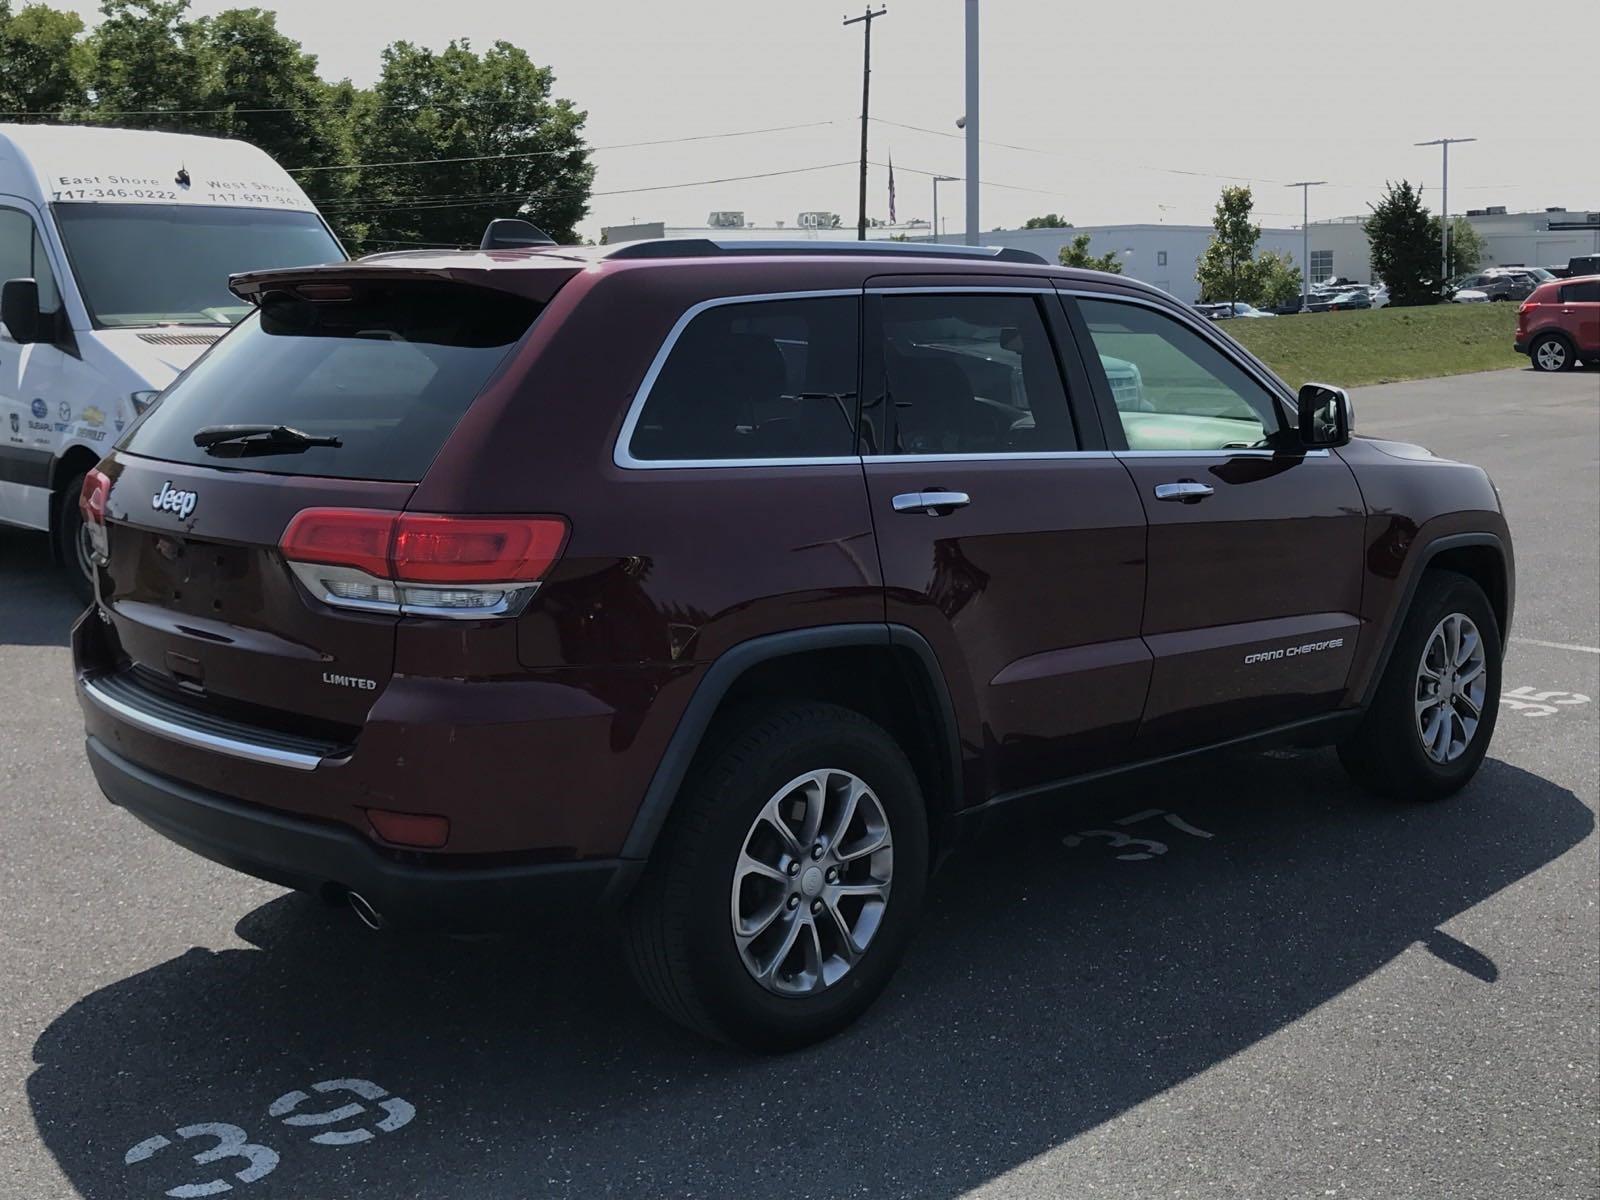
536	276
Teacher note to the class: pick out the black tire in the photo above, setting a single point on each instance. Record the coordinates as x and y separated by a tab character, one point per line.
678	935
1558	354
68	533
1386	752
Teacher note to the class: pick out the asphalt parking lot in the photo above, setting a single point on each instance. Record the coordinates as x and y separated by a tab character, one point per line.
1306	992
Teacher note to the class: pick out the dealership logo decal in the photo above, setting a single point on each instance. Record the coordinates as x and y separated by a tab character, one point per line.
41	410
167	500
1262	656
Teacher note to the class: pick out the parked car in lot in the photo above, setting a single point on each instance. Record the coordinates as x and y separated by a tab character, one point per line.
436	586
1226	311
1559	324
1501	283
1466	295
1344	301
115	251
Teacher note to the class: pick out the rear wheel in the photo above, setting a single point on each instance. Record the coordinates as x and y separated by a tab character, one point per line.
1552	353
787	883
1434	712
72	540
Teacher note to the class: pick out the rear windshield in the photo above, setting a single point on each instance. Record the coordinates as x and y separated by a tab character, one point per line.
387	368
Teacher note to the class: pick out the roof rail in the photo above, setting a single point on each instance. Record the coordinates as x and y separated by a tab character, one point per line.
711	248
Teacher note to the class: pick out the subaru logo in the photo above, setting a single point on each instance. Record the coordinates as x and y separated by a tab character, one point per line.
169	500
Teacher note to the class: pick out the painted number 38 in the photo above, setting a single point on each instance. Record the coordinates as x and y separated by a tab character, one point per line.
251	1162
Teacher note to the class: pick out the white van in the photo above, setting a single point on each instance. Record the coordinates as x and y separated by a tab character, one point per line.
115	251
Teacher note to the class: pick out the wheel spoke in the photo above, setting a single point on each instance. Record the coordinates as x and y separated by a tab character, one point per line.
847	940
813	953
754	866
1441	733
1471	673
847	811
748	929
773	818
1469	646
815	791
875	889
791	934
1474	706
875	840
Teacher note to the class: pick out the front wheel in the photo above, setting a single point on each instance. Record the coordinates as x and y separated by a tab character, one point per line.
1434	712
1551	353
787	883
72	540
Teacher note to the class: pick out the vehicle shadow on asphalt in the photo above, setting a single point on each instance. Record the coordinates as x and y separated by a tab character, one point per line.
1050	989
37	608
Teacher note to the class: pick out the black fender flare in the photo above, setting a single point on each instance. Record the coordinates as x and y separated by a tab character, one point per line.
1432	550
726	670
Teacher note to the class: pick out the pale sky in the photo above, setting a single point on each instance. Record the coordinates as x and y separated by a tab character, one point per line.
1135	105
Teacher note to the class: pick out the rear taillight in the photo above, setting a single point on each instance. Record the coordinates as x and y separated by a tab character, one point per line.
423	565
92	499
1527	306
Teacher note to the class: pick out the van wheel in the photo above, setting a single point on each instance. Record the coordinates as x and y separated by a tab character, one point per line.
1551	353
72	540
787	883
1434	711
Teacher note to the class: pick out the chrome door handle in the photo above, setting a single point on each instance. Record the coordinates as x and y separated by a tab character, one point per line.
934	504
1186	491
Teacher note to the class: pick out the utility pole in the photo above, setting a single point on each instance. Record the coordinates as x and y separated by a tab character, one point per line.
971	121
937	180
868	18
1305	186
1444	203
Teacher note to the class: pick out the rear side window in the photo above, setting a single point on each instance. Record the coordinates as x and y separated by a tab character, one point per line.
757	380
1587	292
387	368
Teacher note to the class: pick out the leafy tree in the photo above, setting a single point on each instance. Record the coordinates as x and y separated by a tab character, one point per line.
1466	247
496	109
150	69
1048	221
46	63
1404	245
1226	271
1076	254
1276	280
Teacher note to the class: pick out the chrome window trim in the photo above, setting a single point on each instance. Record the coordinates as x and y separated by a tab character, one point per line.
1243	452
252	751
988	456
959	290
621	452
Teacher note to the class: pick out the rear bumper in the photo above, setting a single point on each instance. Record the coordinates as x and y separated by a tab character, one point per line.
1520	346
315	856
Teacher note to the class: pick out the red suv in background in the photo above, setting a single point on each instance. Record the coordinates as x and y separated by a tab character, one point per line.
726	586
1560	323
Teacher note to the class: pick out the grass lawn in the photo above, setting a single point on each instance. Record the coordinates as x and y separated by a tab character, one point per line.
1386	344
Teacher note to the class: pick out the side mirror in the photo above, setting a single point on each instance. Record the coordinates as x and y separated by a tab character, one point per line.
19	310
1326	416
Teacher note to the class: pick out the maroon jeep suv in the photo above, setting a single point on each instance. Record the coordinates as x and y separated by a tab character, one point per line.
726	586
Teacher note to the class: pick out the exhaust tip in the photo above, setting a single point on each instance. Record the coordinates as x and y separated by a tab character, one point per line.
365	913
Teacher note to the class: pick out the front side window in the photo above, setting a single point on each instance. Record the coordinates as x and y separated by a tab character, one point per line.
972	374
1172	388
758	380
22	256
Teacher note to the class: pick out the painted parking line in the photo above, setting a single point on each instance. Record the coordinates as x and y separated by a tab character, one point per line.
1520	641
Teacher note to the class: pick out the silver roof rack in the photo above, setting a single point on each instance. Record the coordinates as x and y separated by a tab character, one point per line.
711	248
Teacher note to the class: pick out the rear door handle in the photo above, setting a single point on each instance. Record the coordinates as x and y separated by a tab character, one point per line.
934	504
1186	491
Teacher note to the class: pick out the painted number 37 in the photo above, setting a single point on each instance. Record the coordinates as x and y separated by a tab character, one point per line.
251	1162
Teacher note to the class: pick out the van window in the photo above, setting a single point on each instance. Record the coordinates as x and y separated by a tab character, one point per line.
164	264
388	368
765	379
1587	292
22	256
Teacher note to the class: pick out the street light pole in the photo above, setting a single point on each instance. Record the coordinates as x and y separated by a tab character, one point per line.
866	90
972	122
1444	203
1305	186
937	180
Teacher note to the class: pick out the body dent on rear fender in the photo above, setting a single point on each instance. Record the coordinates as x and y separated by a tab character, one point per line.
1418	507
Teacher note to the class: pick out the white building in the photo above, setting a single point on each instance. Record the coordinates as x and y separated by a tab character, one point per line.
1523	239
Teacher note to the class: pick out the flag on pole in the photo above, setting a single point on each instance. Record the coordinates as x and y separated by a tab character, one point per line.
891	187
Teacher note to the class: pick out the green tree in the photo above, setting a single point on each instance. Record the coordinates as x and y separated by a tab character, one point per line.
1076	254
151	68
1466	247
1048	221
46	62
1276	280
525	146
1225	271
1404	245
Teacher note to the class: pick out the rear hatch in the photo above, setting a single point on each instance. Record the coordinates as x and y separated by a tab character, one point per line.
337	394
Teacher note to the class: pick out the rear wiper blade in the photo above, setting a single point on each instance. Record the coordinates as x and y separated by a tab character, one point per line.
234	440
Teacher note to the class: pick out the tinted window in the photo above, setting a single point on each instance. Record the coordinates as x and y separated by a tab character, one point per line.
971	375
147	264
388	370
22	256
766	379
1173	389
1587	292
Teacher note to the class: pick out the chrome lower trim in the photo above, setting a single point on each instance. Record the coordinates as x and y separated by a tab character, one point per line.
171	730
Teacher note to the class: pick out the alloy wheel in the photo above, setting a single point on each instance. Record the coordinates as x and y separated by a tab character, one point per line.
1552	355
1452	683
812	882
